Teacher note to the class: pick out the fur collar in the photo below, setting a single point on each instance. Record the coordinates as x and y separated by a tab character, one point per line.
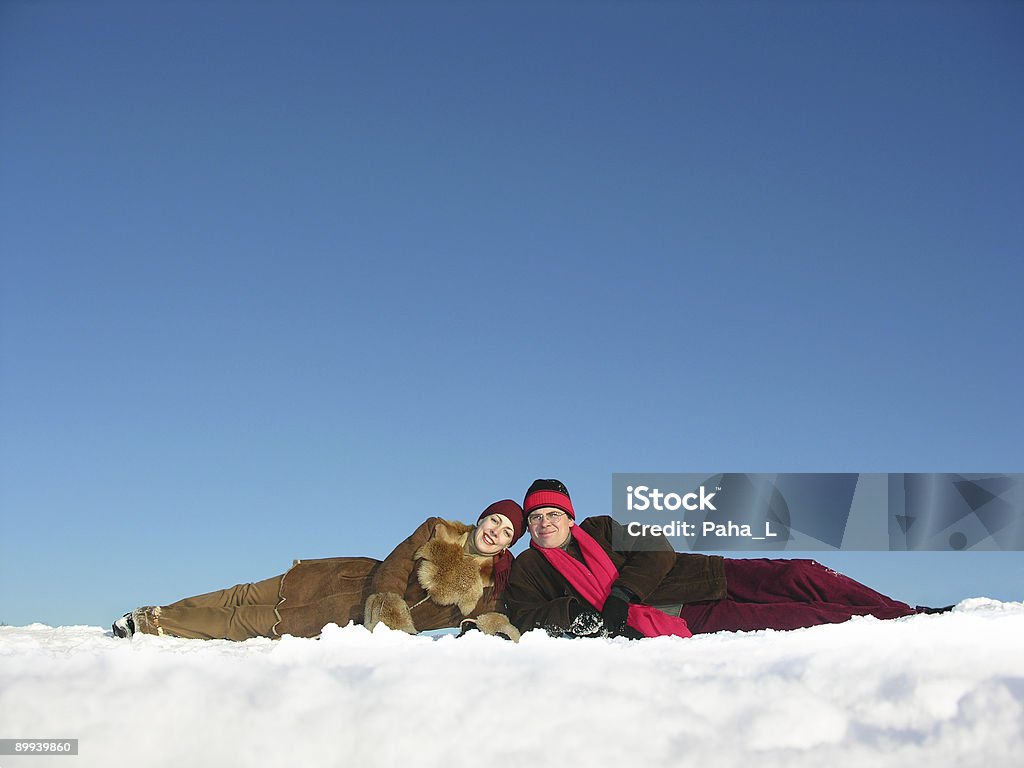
450	575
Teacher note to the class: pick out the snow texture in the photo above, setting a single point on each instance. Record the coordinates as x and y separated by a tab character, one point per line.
939	690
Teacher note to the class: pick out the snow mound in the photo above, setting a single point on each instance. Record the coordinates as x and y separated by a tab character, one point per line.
942	690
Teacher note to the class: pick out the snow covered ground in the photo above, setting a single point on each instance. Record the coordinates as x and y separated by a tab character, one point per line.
944	690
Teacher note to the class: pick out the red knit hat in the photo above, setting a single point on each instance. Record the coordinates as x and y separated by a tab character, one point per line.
548	493
512	511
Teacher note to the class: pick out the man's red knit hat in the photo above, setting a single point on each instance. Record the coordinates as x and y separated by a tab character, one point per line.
548	493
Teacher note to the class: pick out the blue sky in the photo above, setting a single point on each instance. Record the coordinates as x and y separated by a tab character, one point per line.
281	280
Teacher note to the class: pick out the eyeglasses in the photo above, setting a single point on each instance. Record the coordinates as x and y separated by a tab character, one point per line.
552	517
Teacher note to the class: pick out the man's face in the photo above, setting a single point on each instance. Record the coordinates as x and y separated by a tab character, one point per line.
549	527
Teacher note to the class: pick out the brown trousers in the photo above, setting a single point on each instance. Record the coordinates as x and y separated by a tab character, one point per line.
236	613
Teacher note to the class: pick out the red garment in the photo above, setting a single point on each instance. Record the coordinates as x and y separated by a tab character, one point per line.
594	583
787	594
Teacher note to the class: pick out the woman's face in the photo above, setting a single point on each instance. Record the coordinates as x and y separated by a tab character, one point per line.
493	534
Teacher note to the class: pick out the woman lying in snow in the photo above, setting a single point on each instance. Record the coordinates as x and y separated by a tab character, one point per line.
446	574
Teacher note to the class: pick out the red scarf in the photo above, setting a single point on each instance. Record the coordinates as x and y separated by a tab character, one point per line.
594	582
502	566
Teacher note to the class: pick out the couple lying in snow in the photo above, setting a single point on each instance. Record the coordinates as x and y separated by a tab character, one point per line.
570	582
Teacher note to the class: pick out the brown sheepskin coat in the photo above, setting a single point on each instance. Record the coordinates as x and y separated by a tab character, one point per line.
429	581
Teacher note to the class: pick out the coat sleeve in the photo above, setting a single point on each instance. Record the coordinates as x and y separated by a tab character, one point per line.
486	603
531	598
648	559
392	575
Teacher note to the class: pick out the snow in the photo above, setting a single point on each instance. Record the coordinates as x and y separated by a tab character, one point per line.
942	690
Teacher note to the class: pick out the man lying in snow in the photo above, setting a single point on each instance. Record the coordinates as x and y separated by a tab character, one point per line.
571	582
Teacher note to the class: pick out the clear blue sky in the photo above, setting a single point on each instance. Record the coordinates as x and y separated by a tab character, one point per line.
279	280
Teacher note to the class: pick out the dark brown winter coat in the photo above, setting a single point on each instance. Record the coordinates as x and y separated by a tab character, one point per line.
539	596
428	582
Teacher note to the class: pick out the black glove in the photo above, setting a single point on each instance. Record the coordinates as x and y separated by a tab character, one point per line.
614	614
585	622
